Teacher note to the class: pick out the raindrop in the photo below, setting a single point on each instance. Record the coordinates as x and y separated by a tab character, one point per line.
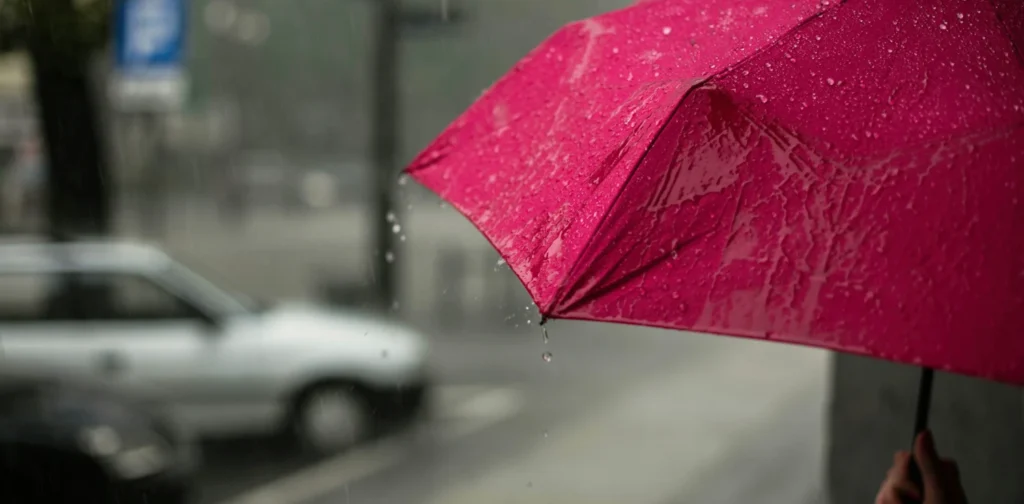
529	322
500	263
546	356
959	15
443	204
403	179
666	30
390	217
389	256
383	354
396	229
830	81
615	50
545	433
394	306
763	98
402	237
544	330
942	26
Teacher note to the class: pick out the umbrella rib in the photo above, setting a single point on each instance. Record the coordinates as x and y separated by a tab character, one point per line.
563	292
1006	32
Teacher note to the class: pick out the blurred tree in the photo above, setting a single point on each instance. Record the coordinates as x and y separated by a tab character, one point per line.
62	38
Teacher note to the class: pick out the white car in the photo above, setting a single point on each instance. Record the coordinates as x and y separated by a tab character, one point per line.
134	317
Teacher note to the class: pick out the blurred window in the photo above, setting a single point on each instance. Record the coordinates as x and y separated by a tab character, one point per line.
132	297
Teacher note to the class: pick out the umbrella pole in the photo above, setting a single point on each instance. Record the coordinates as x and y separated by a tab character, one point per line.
924	400
924	404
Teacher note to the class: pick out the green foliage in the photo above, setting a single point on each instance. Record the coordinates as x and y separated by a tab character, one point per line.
64	30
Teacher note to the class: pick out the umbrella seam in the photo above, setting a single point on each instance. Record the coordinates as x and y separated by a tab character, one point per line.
561	293
1006	31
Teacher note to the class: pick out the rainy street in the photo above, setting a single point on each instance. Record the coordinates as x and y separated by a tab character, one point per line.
610	401
505	421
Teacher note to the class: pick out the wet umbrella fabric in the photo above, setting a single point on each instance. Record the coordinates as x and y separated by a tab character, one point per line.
841	175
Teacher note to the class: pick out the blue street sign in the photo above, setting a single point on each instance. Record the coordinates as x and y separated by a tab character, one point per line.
149	35
149	39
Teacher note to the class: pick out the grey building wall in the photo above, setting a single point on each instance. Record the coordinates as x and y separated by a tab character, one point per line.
980	424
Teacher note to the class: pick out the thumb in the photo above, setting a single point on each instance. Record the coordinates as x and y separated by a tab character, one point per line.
927	458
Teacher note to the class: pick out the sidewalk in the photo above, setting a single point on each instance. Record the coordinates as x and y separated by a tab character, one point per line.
708	430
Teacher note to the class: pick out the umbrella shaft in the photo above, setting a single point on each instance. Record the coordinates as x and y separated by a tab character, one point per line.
924	400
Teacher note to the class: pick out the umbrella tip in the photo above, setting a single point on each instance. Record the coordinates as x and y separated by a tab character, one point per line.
543	320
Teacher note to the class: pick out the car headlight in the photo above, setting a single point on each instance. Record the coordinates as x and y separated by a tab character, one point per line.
132	455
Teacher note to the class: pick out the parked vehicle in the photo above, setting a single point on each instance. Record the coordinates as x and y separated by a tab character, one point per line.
228	366
63	441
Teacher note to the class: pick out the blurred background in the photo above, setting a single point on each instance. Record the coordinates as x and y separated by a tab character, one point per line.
258	143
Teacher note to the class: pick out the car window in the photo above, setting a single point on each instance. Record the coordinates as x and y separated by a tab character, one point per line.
24	296
133	297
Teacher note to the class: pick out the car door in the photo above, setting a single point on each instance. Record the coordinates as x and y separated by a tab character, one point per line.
155	341
38	330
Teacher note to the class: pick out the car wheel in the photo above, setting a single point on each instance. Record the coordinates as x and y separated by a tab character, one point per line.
329	419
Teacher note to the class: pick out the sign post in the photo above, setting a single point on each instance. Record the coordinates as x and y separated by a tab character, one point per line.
149	38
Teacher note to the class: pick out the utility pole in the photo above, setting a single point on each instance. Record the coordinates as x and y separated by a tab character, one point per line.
384	149
392	20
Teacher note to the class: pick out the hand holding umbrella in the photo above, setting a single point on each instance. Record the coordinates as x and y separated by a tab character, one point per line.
940	477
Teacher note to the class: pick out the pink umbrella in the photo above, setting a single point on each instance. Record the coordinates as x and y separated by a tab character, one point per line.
843	175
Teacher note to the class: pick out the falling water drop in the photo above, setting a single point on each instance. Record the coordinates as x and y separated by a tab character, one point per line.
389	256
546	356
390	216
403	179
544	331
396	229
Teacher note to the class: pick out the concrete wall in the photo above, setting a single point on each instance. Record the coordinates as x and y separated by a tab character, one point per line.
980	424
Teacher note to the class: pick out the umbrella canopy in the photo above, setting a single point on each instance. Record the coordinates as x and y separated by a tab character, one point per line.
845	175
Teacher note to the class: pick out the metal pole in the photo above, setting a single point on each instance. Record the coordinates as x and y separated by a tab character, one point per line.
385	145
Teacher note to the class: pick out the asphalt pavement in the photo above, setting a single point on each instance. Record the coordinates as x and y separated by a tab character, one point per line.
617	415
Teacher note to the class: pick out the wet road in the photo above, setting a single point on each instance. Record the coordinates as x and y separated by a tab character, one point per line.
618	415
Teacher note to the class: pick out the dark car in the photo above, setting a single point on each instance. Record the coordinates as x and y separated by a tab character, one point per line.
73	442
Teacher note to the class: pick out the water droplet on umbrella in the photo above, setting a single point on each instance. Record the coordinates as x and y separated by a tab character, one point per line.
942	26
546	356
763	98
389	256
959	15
830	81
615	50
666	30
